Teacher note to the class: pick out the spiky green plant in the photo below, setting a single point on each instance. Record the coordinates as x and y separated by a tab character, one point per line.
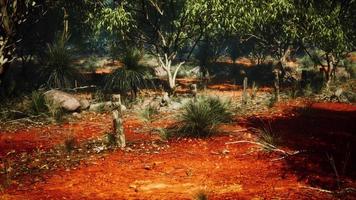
38	103
268	136
164	134
200	117
69	144
148	113
54	110
201	195
59	71
132	76
111	139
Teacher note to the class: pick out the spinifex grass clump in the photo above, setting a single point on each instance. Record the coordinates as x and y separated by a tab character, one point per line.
200	117
268	136
148	113
38	103
59	70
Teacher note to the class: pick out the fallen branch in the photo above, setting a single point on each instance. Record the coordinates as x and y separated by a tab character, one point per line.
318	189
338	192
269	146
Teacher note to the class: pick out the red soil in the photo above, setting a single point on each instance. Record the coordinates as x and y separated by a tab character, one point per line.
180	168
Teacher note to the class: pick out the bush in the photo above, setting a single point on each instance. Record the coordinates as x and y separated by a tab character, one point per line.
38	103
200	118
59	71
132	76
69	144
55	110
148	112
267	135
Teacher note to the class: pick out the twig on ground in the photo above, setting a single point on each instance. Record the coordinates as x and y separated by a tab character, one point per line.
317	189
269	146
338	192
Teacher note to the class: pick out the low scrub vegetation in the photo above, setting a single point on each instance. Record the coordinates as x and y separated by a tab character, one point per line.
200	117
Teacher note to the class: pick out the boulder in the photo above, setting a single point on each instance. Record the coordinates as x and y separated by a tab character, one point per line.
84	104
66	101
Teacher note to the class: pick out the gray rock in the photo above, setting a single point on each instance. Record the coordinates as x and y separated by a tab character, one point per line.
66	101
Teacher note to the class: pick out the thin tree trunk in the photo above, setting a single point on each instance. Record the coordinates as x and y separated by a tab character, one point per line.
244	95
276	73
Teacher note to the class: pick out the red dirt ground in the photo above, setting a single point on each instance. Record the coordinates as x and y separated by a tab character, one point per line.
180	168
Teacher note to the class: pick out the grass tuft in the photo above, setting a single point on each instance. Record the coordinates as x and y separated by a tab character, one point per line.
38	103
148	113
200	117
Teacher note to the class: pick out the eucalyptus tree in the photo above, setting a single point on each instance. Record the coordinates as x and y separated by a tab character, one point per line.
328	26
12	16
165	28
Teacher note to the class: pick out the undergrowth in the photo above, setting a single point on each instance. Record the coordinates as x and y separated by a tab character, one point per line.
200	117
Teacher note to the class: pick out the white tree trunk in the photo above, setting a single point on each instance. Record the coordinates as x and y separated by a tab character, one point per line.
166	64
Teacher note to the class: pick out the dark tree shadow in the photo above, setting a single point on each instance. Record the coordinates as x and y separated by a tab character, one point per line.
328	138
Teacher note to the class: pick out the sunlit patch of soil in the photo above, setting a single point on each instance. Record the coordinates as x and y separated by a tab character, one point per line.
179	168
30	139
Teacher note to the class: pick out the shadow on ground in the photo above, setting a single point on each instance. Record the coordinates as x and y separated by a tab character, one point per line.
326	132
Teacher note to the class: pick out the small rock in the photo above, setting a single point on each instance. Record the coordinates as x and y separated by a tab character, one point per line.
147	167
77	115
225	151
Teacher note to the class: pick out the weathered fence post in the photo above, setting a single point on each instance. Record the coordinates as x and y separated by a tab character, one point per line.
118	125
276	73
194	90
245	95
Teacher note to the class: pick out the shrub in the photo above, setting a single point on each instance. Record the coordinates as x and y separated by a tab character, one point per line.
59	70
38	103
69	144
132	76
201	195
55	110
111	139
200	117
99	96
267	135
148	112
163	133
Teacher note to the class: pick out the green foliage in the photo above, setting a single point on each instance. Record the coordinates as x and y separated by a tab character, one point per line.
59	70
111	139
201	195
148	113
114	21
200	117
164	134
267	136
38	103
69	144
132	76
55	110
99	96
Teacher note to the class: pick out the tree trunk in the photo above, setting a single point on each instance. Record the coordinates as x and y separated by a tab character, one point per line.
276	73
118	127
167	66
